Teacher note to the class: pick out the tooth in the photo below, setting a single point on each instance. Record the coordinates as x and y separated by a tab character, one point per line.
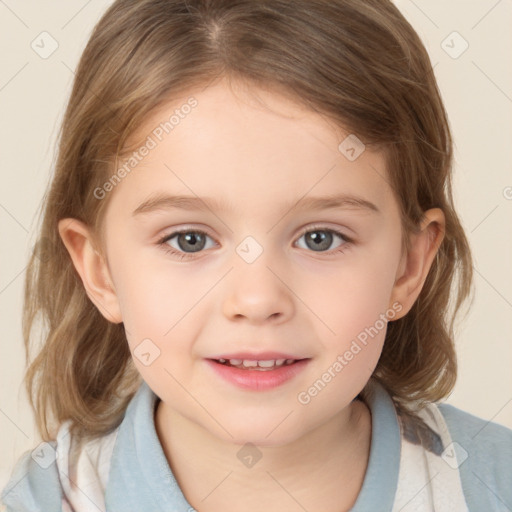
290	361
279	362
222	360
266	364
235	362
248	363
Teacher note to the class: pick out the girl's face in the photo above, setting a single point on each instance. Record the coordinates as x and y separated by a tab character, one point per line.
290	249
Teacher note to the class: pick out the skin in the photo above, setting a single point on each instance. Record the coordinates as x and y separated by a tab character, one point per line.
257	151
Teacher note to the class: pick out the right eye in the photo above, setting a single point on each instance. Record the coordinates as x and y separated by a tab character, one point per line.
193	239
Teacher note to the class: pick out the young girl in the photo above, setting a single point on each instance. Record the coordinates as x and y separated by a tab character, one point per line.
249	270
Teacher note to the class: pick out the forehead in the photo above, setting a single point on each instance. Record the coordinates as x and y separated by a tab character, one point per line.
249	147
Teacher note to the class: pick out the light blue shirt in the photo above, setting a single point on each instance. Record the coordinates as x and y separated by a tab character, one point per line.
140	479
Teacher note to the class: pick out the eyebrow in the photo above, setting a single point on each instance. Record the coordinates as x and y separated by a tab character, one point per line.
161	202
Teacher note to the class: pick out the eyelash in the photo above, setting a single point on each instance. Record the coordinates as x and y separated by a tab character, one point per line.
186	256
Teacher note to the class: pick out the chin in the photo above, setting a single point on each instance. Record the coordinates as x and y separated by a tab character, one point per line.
261	433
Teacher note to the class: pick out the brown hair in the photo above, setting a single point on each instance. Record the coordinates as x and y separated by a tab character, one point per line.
359	63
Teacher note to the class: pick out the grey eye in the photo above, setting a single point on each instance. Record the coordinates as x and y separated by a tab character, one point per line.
320	240
188	241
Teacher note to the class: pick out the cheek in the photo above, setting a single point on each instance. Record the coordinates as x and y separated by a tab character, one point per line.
355	309
162	303
355	295
153	297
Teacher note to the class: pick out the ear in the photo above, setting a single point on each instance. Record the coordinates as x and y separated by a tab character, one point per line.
415	264
90	265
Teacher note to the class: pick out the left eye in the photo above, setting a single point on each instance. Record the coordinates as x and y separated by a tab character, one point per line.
319	240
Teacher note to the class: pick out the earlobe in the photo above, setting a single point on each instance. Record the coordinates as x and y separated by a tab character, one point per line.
415	265
90	265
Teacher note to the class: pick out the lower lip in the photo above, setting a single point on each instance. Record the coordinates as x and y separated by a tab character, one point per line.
258	380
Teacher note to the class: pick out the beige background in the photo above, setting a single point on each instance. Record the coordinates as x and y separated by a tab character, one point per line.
476	87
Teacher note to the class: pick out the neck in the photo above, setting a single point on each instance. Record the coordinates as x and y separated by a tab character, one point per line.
322	470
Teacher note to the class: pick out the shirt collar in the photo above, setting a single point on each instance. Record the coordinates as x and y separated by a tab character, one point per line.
140	477
381	479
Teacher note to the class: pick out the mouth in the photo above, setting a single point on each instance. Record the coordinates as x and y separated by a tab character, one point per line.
258	372
261	365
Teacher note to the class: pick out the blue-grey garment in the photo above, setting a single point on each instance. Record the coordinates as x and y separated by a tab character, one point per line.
140	479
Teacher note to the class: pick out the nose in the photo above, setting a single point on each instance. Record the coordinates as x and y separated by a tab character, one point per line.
258	293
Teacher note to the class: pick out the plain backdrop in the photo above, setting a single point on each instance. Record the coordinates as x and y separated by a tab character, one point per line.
470	44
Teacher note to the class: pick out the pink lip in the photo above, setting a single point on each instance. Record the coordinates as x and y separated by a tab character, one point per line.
262	356
257	380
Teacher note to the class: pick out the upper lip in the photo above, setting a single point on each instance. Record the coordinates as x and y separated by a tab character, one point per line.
261	356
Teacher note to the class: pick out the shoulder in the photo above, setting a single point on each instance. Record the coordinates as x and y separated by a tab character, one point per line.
484	458
61	475
488	443
34	485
